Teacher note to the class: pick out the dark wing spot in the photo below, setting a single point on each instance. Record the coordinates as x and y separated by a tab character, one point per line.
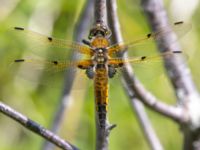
55	62
143	57
19	60
18	28
149	35
120	64
176	52
179	22
50	39
80	66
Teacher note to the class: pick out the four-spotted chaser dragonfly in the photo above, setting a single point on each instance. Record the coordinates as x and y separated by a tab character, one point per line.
102	62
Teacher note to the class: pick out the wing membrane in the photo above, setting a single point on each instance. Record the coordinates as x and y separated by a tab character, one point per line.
180	28
50	41
53	65
142	59
43	72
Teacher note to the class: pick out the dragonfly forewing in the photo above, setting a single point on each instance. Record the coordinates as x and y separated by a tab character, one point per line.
48	41
180	28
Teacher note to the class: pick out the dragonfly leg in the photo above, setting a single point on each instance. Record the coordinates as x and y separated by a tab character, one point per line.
111	71
90	72
86	42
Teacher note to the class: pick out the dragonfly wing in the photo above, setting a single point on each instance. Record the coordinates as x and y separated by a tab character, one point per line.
45	72
54	65
142	59
146	68
43	40
180	28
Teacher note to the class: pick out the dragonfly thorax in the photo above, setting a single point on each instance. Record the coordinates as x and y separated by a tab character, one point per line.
99	42
100	56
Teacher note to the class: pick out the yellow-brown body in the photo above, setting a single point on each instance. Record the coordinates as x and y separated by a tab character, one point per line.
101	93
99	44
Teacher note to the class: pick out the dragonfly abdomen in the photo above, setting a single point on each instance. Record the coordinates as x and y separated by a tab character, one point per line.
101	94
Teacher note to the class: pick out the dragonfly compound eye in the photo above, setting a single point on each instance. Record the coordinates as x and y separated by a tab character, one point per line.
99	29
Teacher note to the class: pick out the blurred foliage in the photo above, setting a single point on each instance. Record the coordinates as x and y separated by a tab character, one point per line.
40	102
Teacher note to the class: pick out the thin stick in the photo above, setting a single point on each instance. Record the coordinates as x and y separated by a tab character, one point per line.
100	11
35	127
144	121
80	32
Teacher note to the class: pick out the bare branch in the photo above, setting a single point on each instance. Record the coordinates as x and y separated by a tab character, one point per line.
100	11
176	68
174	113
80	31
136	105
144	121
179	74
139	90
35	127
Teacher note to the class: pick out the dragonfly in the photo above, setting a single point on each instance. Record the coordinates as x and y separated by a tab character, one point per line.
102	62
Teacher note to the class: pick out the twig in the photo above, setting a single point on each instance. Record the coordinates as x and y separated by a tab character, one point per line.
174	113
176	68
35	127
144	121
80	31
136	104
179	74
100	11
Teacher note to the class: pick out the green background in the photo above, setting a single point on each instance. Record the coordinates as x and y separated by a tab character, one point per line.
40	102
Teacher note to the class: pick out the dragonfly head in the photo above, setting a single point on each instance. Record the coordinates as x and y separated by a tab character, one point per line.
99	30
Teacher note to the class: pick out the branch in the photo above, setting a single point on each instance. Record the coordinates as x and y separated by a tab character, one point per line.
136	104
176	67
35	127
80	31
144	121
102	134
136	87
179	74
100	11
139	91
174	113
